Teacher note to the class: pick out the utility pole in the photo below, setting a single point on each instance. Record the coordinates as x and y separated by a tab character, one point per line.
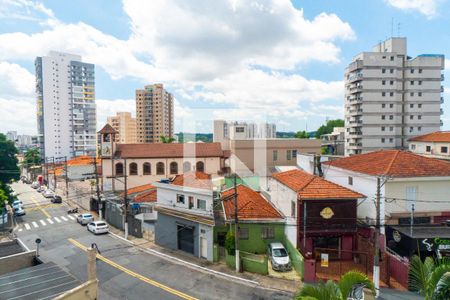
100	205
67	177
54	173
126	198
46	170
376	262
236	224
412	220
304	225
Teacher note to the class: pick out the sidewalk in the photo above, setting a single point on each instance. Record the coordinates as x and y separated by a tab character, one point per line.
217	269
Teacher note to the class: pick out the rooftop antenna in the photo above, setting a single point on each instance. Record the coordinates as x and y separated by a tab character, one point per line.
398	29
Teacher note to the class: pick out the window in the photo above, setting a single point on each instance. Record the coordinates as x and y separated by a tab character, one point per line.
173	168
392	58
383	94
391	82
288	155
412	71
294	153
383	71
383	117
391	94
243	233
384	57
419	117
391	105
444	149
419	105
413	147
411	196
191	202
420	71
275	155
420	94
239	129
428	149
411	117
411	94
119	169
391	71
350	180
186	166
391	128
160	168
267	233
133	169
147	169
420	82
293	209
201	204
391	117
383	140
200	166
391	140
383	82
419	128
411	129
180	198
383	105
411	82
383	128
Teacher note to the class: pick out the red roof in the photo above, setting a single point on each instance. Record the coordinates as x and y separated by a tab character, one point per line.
107	129
148	196
251	205
310	186
166	150
394	163
140	188
438	136
194	179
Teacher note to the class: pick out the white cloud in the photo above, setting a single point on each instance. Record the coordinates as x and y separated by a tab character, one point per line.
425	7
17	114
15	81
26	10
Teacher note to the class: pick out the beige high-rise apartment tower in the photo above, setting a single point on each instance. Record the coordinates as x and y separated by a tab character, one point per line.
154	114
125	126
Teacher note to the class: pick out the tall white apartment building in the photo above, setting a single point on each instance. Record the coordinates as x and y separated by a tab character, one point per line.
66	112
391	97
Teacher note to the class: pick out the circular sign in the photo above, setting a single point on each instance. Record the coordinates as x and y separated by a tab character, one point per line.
38	241
397	236
327	213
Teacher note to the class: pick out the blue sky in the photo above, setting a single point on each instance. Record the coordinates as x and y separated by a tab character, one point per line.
280	61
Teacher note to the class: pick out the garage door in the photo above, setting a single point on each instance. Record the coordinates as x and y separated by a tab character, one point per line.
186	238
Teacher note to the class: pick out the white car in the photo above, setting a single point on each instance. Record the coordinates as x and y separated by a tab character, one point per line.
279	257
17	203
41	189
98	227
49	194
35	185
84	219
19	211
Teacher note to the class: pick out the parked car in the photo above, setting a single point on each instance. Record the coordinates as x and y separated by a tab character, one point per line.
49	193
19	211
98	227
56	199
35	185
41	189
84	219
17	203
279	257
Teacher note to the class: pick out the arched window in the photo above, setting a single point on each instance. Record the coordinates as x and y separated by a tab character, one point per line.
186	166
147	169
173	168
200	166
119	169
160	168
133	169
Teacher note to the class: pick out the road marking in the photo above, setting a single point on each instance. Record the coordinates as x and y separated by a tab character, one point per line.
64	218
20	229
49	220
35	224
42	222
135	275
39	206
27	226
57	220
72	218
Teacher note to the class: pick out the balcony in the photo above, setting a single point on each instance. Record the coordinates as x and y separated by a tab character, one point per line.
442	111
355	65
442	123
442	100
442	77
355	77
442	88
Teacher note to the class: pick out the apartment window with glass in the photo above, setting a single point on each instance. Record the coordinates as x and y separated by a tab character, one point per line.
411	105
383	140
391	128
294	153
239	129
411	82
420	94
411	129
391	94
419	117
382	128
275	155
391	117
383	94
243	233
391	82
419	105
383	117
412	71
383	105
428	149
411	94
180	198
383	82
350	180
391	140
267	233
392	58
413	147
420	71
288	155
383	71
444	149
411	117
293	209
420	82
201	204
392	71
391	105
419	128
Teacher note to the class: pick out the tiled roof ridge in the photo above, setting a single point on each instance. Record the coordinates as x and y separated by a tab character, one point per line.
388	169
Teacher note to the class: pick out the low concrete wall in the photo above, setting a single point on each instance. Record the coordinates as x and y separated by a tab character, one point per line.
17	261
297	260
398	269
85	291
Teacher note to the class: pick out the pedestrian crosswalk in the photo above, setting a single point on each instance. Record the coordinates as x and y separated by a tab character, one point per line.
45	222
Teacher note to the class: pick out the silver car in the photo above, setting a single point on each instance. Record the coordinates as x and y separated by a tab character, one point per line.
84	219
279	257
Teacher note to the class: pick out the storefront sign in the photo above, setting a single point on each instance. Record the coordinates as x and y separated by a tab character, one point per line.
324	260
327	213
397	236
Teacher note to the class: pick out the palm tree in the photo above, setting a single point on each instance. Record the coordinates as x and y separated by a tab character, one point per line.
167	139
430	278
331	290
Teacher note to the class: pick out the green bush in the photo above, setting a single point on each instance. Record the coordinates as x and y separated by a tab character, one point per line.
230	245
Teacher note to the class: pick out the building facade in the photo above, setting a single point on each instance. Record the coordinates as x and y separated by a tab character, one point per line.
391	97
225	131
334	142
125	125
154	114
436	145
66	111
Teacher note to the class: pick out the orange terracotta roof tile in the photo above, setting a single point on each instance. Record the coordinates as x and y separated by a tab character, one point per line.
251	205
310	186
436	137
107	129
138	189
194	179
394	163
148	196
82	161
162	150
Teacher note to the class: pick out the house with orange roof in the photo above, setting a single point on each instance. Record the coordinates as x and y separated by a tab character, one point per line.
185	207
319	214
435	144
142	202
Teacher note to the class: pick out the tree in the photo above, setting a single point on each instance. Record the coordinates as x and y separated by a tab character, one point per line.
331	290
167	139
32	157
8	161
230	245
301	135
430	278
328	128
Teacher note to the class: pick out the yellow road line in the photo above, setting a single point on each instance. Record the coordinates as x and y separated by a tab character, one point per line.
50	205
40	207
134	274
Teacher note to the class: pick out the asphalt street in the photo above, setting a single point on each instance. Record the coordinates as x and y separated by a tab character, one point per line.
123	271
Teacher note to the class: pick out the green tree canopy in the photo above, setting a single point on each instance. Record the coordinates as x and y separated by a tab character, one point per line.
301	135
167	139
8	160
32	157
328	128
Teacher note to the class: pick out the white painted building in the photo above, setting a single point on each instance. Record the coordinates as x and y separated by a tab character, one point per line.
436	145
391	97
66	112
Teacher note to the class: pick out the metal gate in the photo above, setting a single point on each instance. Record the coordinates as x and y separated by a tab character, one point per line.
134	226
332	263
186	238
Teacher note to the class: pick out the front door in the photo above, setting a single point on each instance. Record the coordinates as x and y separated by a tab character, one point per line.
186	239
203	248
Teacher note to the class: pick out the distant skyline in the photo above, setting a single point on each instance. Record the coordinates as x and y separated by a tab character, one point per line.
282	59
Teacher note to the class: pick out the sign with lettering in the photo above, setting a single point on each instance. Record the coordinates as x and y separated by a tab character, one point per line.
327	213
